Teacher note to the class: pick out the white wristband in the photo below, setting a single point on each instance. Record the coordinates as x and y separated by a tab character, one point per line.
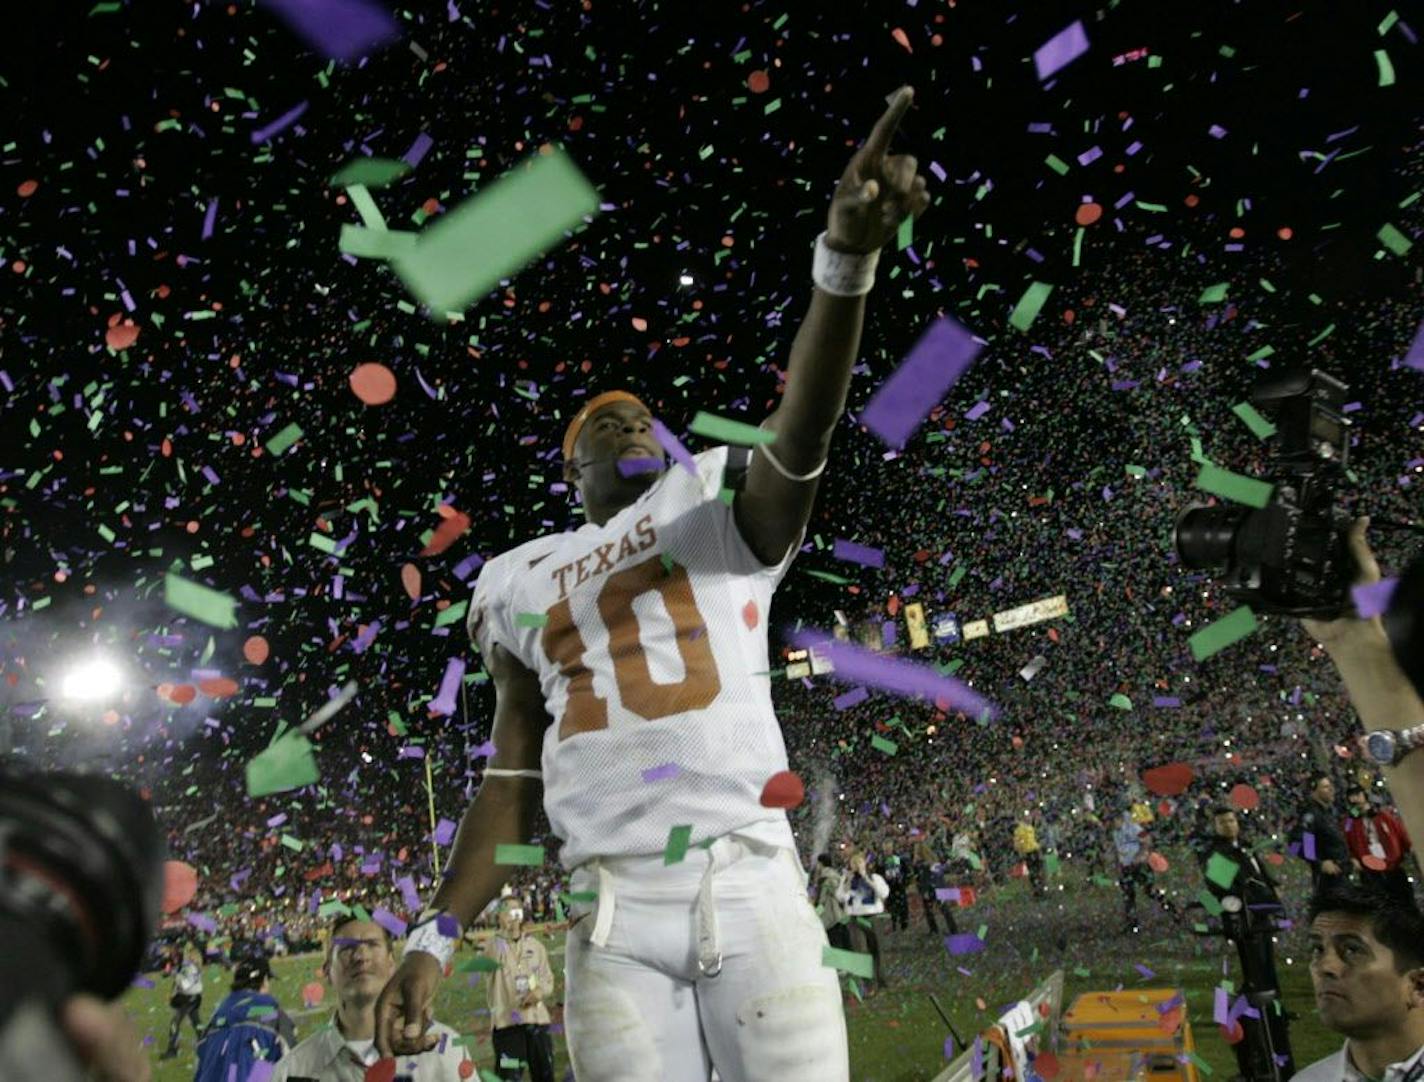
843	274
426	936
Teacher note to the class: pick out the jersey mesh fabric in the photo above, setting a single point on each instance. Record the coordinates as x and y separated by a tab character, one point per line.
595	794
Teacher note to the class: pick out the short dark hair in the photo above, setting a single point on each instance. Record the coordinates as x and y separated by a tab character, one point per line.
341	920
1397	924
249	973
1356	789
1222	809
1316	777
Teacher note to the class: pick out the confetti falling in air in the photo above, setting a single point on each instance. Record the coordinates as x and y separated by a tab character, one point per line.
262	472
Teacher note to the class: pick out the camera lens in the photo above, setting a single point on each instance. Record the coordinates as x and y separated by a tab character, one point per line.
81	875
1205	536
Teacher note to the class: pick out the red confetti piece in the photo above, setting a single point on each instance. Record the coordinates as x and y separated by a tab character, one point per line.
1170	780
1233	1034
1087	213
1373	863
410	579
750	616
783	789
1046	1064
256	650
183	694
383	1070
218	687
901	39
180	883
1244	797
758	82
27	188
447	533
374	384
1157	862
121	336
313	993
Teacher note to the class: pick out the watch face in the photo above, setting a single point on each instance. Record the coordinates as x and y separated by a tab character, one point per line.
1380	747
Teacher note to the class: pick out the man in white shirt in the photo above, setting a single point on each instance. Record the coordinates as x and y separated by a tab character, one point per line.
1367	965
359	961
187	998
863	893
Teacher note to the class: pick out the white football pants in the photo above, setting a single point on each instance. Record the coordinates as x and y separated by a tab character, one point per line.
713	960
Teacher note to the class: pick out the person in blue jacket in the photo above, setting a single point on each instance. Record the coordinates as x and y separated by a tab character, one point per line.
248	1027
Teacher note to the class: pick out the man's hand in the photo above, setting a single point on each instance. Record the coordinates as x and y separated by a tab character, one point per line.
876	193
1349	633
403	1009
1329	867
1355	864
105	1040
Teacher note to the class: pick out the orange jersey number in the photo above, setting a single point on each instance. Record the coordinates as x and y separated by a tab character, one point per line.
563	644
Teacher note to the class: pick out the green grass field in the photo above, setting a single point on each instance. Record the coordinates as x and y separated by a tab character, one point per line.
897	1036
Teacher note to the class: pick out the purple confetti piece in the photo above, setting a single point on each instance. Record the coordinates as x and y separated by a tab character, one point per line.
418	150
1060	50
367	637
894	675
673	446
662	773
411	751
858	554
949	1048
1221	1008
409	895
628	467
947	894
900	404
203	922
261	1071
277	820
389	921
976	411
1415	357
853	697
142	982
1307	846
447	926
1166	700
444	703
1147	974
444	831
1372	599
209	219
338	29
964	943
484	751
261	135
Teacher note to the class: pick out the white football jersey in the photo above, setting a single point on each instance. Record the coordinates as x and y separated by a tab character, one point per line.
649	637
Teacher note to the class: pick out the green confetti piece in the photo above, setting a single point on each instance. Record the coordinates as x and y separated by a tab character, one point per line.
1386	69
1202	1065
725	430
370	173
1057	164
107	7
577	897
452	615
905	236
1217	636
529	856
1259	426
295	844
1079	971
827	576
202	603
366	207
1120	702
332	908
497	232
321	543
1232	486
478	965
376	243
530	619
284	439
1026	311
1394	240
853	962
287	764
1222	870
879	743
676	848
1213	294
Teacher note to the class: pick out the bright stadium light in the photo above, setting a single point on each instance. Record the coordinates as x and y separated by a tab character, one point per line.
90	680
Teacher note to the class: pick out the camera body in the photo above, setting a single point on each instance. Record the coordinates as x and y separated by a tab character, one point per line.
1289	557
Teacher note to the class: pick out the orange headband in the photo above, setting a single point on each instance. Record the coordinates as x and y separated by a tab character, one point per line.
592	406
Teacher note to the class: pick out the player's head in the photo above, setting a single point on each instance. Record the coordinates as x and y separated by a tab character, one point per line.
1322	788
1367	960
610	454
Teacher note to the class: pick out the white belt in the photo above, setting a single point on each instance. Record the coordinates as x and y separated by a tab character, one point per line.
721	853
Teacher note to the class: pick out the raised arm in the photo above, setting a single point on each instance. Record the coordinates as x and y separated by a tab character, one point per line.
876	193
502	812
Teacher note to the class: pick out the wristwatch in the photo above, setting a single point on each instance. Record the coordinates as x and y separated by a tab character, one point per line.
1385	747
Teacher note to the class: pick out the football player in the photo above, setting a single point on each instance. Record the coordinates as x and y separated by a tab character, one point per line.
629	659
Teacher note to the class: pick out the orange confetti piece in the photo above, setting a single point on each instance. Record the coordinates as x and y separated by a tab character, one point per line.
121	336
183	694
255	650
410	579
899	36
758	82
374	384
783	789
27	188
180	883
219	687
1087	213
446	534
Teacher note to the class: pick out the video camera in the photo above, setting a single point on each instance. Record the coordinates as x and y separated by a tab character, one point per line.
1289	557
81	885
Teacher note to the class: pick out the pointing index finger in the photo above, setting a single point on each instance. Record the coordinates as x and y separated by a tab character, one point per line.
879	141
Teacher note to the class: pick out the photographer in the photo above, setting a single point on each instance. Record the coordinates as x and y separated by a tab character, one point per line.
1234	872
1388	704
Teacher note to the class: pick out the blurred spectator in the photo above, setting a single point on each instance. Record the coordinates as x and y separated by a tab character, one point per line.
929	877
863	894
1378	845
826	898
187	998
1322	843
248	1027
1026	846
898	904
359	960
517	994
